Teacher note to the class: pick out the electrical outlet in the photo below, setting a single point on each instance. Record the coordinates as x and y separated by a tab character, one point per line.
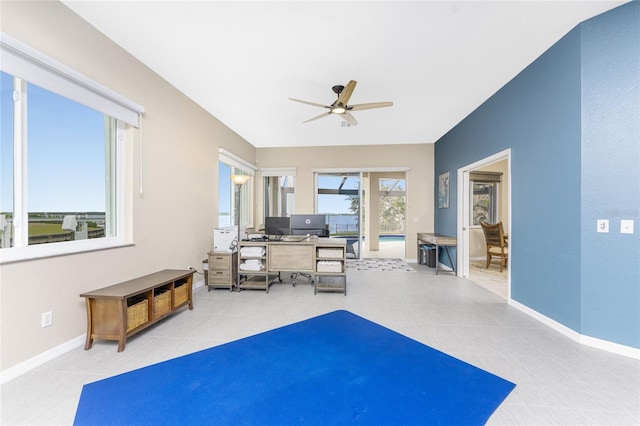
603	225
47	319
626	226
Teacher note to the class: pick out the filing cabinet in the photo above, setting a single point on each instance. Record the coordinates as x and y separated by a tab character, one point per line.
222	270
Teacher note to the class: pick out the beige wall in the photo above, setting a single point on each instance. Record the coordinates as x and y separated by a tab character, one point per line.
172	222
419	158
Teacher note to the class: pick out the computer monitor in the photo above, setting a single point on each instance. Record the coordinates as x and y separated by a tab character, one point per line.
274	225
312	224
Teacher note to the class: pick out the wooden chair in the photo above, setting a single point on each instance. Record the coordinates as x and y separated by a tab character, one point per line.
496	243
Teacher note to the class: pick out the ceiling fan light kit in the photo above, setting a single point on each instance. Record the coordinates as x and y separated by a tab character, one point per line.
340	107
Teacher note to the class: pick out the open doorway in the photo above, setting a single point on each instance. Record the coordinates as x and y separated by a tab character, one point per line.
484	194
386	207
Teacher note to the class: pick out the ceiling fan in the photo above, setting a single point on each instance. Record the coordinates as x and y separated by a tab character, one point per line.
340	106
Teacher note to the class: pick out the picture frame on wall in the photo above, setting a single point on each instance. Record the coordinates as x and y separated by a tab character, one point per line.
443	191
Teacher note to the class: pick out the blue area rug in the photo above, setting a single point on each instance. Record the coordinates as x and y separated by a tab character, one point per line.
335	369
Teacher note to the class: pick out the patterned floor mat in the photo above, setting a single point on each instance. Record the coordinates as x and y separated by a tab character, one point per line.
378	265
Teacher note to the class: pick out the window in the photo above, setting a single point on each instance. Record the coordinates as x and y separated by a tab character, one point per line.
484	197
391	210
69	155
279	192
338	197
6	160
231	202
60	150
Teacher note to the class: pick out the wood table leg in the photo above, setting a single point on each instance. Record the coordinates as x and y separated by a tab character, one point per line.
89	341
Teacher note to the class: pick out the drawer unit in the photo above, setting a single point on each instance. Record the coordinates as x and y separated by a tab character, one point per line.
222	270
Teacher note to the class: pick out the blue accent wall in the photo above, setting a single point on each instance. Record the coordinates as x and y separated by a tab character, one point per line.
571	120
611	175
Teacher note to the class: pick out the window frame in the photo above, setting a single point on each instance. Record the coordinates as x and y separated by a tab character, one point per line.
493	179
27	252
246	191
492	210
30	66
279	173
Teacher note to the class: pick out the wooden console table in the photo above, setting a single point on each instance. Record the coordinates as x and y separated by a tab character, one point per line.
121	310
438	241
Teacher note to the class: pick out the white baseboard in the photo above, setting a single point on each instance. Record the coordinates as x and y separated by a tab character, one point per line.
593	342
28	365
442	266
198	284
627	351
38	360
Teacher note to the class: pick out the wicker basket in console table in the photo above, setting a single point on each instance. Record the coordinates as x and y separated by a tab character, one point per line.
121	310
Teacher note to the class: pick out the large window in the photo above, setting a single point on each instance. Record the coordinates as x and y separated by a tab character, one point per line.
391	211
484	197
339	198
234	201
62	183
60	150
279	192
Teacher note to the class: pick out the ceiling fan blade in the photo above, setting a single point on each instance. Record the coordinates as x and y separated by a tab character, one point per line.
310	103
359	107
343	97
349	118
319	116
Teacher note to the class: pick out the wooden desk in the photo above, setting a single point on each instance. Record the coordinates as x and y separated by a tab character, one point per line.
438	241
320	258
121	310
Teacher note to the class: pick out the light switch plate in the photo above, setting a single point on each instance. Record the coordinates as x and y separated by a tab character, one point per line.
603	225
626	226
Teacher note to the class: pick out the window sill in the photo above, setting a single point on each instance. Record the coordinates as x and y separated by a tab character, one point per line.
41	251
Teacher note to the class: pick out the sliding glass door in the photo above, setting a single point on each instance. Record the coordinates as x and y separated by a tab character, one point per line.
339	198
363	204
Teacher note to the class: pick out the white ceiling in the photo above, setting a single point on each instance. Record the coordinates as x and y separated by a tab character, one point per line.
241	61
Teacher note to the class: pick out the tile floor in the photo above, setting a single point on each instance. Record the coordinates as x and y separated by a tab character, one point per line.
492	279
559	382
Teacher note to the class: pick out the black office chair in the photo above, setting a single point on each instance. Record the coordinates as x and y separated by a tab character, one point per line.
294	276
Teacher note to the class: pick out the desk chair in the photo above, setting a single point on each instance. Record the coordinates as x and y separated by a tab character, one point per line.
496	243
293	256
294	276
352	249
